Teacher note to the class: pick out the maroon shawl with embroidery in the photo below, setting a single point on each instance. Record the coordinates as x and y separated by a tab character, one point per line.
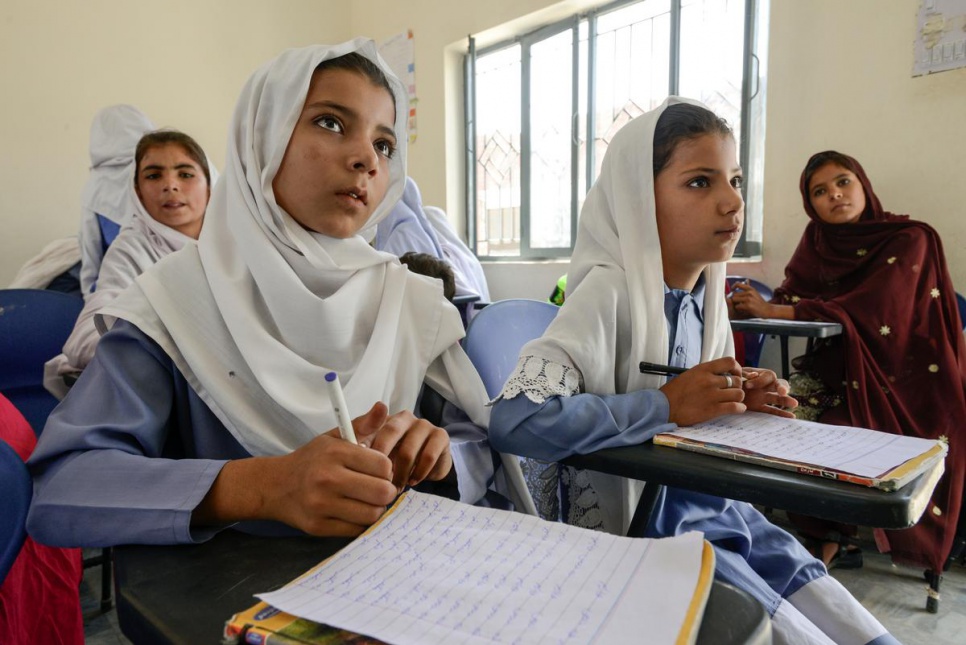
901	362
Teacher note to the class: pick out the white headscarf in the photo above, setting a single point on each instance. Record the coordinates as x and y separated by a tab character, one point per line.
262	309
115	132
410	226
613	316
141	243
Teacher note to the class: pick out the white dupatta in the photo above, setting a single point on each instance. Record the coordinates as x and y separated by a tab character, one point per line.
613	316
262	309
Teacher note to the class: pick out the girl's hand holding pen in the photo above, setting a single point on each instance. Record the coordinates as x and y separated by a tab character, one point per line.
722	386
705	391
747	302
330	486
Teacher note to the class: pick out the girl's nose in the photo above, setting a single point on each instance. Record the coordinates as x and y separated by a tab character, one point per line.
363	157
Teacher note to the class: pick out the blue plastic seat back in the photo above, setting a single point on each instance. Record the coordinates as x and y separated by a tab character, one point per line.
961	302
498	332
109	231
34	325
16	490
753	340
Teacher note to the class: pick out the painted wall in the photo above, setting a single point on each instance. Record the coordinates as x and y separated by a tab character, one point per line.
839	77
182	62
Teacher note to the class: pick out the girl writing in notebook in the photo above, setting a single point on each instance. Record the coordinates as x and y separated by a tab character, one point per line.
900	363
646	283
205	403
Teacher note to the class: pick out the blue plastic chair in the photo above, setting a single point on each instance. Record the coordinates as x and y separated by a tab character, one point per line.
493	342
497	333
34	325
14	503
753	341
961	302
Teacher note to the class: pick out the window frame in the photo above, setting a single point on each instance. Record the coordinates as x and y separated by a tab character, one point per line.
752	106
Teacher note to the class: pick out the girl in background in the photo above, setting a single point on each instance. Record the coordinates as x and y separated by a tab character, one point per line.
899	365
170	187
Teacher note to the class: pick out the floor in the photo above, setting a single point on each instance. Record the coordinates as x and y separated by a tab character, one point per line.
895	595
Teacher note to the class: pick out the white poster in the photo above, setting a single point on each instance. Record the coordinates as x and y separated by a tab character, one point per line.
940	36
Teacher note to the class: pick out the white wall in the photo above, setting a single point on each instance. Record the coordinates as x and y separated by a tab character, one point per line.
182	62
840	77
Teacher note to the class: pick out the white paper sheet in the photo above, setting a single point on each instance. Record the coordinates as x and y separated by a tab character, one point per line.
437	571
868	453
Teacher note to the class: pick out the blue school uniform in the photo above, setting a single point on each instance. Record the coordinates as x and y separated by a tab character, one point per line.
133	450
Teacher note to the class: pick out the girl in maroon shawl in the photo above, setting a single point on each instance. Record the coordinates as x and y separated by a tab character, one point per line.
900	363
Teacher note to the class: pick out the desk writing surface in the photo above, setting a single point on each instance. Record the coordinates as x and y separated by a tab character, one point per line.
831	500
781	327
185	593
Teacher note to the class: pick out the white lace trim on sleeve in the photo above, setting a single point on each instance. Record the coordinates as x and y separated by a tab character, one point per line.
540	379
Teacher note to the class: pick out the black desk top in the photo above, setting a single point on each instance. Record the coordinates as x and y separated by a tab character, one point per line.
806	494
778	327
184	594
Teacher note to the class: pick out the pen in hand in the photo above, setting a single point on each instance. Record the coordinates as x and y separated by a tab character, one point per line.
662	370
671	370
339	405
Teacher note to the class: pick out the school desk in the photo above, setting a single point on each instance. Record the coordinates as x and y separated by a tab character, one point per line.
805	494
185	593
785	328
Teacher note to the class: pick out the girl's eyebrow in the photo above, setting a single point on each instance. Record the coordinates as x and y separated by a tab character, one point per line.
709	171
349	112
179	166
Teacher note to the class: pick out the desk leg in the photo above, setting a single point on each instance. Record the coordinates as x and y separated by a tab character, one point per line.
645	506
934	578
785	368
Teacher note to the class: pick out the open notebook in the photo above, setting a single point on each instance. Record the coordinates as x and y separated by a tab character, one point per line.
857	455
437	571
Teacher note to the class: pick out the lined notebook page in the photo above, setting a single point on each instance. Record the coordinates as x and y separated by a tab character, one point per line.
868	453
437	571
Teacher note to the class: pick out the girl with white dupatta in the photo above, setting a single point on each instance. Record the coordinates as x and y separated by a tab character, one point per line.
205	403
646	283
169	188
107	198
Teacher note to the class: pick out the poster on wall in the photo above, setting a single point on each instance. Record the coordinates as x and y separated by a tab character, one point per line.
399	52
940	36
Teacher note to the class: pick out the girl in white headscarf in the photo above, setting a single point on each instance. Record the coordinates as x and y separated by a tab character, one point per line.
205	403
646	283
107	202
169	191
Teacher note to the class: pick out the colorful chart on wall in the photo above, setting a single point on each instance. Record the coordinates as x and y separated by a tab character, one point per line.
399	52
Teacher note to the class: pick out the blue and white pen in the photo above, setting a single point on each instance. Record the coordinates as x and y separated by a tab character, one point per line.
338	404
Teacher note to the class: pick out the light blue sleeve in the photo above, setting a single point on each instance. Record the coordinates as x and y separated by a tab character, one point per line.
119	461
472	456
567	425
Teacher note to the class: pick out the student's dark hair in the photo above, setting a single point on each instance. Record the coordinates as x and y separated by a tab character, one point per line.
426	264
355	62
823	159
165	137
680	122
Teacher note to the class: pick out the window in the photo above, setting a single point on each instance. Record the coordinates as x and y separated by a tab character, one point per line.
532	101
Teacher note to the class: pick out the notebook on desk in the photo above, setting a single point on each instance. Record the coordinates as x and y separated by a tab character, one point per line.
437	571
856	455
